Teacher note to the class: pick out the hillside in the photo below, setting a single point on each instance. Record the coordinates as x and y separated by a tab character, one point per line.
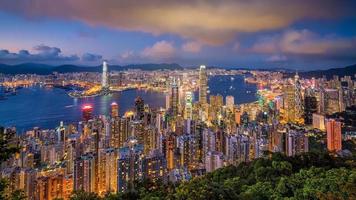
306	176
329	73
43	69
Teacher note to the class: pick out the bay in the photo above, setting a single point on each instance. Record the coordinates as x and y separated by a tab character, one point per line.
45	108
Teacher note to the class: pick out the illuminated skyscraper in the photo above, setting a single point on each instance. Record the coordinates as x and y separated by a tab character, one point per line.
114	110
174	98
188	108
299	107
129	165
230	101
104	79
84	173
333	130
87	112
203	85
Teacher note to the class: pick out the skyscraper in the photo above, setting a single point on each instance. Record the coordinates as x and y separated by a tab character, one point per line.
203	85
230	101
87	112
188	108
104	79
114	110
84	173
174	98
333	131
299	107
309	108
140	108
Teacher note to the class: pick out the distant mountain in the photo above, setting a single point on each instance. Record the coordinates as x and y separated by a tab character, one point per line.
43	69
345	71
329	73
26	68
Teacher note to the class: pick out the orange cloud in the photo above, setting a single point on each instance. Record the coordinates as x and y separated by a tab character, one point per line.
161	50
191	47
208	22
304	42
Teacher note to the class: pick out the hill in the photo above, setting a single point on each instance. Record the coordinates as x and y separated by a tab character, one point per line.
43	69
329	73
306	176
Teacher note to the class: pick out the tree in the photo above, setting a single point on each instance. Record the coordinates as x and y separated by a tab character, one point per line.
8	147
82	195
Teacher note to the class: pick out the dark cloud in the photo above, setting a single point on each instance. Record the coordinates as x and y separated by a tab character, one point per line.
210	22
42	53
91	57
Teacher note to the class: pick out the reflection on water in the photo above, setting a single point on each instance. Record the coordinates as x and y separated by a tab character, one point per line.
47	107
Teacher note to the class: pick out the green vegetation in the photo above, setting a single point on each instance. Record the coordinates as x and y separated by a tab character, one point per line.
307	176
8	147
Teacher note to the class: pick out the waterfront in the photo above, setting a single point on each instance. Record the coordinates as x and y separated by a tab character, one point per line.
45	108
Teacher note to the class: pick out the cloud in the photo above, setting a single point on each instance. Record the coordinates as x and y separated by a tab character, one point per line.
236	46
160	51
43	53
192	47
305	43
277	58
209	22
91	57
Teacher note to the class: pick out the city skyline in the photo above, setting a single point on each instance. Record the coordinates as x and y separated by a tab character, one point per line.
177	100
294	35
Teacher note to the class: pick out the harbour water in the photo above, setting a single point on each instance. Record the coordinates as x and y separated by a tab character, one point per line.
45	108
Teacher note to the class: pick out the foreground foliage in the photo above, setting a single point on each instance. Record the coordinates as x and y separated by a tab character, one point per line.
8	147
307	176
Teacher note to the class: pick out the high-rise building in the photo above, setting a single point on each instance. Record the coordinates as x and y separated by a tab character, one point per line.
114	110
333	131
332	101
203	85
107	173
214	160
140	108
154	167
84	173
318	121
87	112
174	98
299	106
104	78
296	143
230	102
129	165
289	103
310	107
188	108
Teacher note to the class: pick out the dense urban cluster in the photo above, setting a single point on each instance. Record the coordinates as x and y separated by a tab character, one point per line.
190	139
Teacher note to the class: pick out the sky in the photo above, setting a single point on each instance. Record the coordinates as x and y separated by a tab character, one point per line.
303	34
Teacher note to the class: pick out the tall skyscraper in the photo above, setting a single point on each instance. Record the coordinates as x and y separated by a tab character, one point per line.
203	85
333	131
129	165
174	98
114	110
84	173
310	107
188	108
87	112
299	107
104	79
140	108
